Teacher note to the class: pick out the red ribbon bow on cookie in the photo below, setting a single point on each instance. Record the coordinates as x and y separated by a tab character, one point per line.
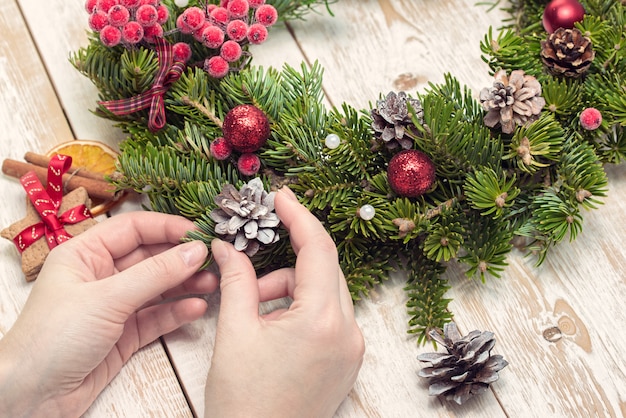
169	71
47	202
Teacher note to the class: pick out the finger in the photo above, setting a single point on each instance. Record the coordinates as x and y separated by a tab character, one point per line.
150	323
159	320
121	234
238	283
277	284
139	254
137	285
199	285
317	267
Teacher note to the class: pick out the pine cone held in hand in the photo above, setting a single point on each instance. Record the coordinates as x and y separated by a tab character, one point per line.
567	52
246	217
511	101
391	119
467	369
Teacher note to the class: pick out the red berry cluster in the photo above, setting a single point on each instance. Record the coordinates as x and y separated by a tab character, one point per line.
226	28
126	21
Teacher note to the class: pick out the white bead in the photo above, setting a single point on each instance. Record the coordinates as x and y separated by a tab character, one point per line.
367	212
181	3
332	141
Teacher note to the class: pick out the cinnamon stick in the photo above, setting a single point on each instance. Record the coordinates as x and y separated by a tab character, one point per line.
44	161
99	189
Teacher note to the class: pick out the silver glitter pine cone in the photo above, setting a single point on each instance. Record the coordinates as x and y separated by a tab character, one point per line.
512	101
466	369
391	120
246	217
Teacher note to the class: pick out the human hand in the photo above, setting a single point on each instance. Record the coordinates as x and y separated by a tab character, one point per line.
97	300
296	362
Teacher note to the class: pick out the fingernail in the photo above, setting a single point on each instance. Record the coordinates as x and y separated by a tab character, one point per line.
193	253
289	193
219	250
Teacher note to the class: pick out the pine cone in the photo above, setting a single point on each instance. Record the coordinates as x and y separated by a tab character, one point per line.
511	101
391	119
567	52
466	369
246	217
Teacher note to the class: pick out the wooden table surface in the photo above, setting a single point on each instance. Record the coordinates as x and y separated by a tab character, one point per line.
369	47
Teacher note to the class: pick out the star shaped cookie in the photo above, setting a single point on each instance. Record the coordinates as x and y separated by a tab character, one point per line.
34	256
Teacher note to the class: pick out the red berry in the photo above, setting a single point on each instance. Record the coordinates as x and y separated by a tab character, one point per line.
132	32
230	51
150	33
197	34
149	2
257	34
266	15
237	30
105	5
194	17
110	36
181	51
216	66
220	16
256	3
131	4
146	15
238	8
210	8
591	118
220	148
98	20
249	164
212	37
224	3
90	5
182	26
163	13
118	15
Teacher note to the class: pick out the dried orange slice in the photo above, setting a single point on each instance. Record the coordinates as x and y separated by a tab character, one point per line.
94	157
88	155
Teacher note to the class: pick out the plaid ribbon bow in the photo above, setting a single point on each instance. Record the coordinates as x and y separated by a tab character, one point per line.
47	202
169	71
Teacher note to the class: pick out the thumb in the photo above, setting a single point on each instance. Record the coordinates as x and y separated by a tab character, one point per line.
238	282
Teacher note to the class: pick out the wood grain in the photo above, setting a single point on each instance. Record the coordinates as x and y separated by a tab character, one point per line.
559	325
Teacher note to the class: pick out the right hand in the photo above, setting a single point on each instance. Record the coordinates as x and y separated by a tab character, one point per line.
301	361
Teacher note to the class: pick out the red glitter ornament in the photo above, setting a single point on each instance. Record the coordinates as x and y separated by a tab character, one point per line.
246	128
411	173
562	14
591	118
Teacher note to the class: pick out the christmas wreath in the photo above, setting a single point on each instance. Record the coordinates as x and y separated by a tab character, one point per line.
414	182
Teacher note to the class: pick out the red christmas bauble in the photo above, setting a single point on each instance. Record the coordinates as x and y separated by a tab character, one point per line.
562	14
410	173
246	128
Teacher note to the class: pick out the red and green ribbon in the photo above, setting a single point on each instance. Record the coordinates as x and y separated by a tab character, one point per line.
168	72
47	202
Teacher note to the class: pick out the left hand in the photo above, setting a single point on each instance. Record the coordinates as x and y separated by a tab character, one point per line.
97	300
